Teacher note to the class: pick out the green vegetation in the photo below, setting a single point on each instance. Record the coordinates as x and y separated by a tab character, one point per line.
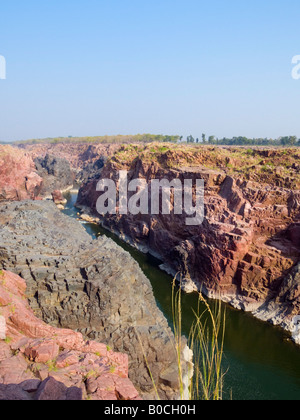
263	165
91	374
52	366
159	138
243	141
2	278
206	341
119	139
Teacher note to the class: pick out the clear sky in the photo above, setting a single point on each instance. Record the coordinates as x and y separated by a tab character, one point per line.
99	67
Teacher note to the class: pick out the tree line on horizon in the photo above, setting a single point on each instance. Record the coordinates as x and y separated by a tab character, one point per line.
118	139
241	141
150	138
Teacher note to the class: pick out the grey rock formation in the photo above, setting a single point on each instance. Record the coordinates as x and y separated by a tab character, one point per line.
91	170
284	309
56	173
92	286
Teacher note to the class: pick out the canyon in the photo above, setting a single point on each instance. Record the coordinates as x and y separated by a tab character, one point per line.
92	287
246	252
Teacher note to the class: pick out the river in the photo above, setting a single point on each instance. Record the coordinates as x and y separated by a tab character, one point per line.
261	362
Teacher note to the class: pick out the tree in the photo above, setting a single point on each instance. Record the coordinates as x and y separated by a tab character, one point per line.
190	139
288	141
203	138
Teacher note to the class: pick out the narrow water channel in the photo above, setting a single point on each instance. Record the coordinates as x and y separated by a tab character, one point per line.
260	360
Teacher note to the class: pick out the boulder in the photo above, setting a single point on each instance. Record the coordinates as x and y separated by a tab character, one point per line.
58	198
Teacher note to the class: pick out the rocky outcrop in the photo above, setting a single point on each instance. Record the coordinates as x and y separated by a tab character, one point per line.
62	164
58	198
79	155
40	362
284	308
18	177
248	243
91	286
90	170
56	173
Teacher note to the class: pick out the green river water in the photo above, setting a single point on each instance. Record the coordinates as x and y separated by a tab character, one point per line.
260	360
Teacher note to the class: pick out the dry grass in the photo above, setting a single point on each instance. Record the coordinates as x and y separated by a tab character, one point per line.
206	340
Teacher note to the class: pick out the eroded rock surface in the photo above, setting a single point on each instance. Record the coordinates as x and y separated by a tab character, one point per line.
91	286
18	176
40	362
56	173
79	155
249	243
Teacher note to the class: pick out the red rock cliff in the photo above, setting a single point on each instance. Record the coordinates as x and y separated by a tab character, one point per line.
41	362
18	177
250	239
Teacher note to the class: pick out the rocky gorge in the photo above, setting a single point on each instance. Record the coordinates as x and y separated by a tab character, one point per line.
92	287
247	251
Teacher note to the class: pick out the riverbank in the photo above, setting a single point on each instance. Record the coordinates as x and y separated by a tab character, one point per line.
246	252
262	361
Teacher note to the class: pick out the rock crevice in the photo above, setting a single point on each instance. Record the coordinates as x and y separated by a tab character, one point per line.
91	286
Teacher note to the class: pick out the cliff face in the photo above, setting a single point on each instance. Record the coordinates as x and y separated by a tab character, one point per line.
22	177
56	174
78	155
40	362
91	286
249	242
60	164
18	177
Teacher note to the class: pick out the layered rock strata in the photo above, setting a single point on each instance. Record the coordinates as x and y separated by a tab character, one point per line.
40	362
91	286
248	246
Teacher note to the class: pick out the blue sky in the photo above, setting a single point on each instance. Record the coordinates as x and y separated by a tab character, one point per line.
99	67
